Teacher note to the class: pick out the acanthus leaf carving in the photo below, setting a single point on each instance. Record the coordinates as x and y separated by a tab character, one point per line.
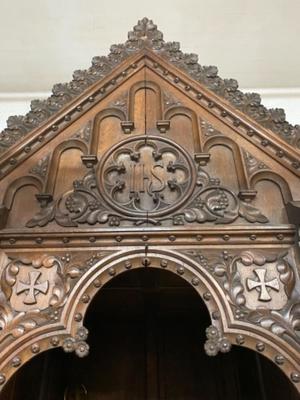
251	214
83	205
19	315
218	204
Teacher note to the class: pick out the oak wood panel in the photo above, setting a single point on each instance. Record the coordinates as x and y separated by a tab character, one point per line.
24	204
173	188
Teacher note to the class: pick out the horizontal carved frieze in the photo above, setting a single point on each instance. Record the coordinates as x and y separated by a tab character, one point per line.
283	236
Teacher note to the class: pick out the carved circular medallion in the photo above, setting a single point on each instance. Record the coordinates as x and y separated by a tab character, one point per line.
146	175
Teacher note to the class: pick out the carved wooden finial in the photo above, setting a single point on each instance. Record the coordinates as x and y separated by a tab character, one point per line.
145	31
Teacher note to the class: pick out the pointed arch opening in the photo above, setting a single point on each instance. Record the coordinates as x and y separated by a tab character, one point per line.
147	333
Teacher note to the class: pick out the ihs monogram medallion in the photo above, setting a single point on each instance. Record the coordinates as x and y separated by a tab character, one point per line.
148	176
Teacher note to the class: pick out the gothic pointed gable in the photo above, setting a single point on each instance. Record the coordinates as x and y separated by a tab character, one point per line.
145	35
148	159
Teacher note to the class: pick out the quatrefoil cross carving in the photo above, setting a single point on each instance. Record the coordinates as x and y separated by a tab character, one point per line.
32	287
262	285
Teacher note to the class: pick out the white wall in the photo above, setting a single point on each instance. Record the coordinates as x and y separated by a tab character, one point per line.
16	104
288	99
43	41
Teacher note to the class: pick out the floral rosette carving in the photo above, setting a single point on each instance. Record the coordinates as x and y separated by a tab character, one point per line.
78	343
215	342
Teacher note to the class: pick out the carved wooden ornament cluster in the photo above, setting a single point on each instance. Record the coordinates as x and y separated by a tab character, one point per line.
149	160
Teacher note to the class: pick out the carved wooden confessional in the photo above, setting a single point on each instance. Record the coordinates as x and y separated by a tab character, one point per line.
148	160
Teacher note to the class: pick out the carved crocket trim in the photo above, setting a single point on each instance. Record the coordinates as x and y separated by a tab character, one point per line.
146	35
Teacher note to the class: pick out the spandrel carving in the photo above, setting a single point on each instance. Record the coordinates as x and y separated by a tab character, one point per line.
34	290
262	288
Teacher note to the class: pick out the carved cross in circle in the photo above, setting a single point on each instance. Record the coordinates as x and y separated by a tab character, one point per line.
261	285
33	287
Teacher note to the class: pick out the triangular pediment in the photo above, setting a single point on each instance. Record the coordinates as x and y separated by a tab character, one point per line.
149	87
146	38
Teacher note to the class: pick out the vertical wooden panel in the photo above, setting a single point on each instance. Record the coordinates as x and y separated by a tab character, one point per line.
270	202
117	371
145	100
109	132
139	111
181	131
222	166
151	109
24	207
70	168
